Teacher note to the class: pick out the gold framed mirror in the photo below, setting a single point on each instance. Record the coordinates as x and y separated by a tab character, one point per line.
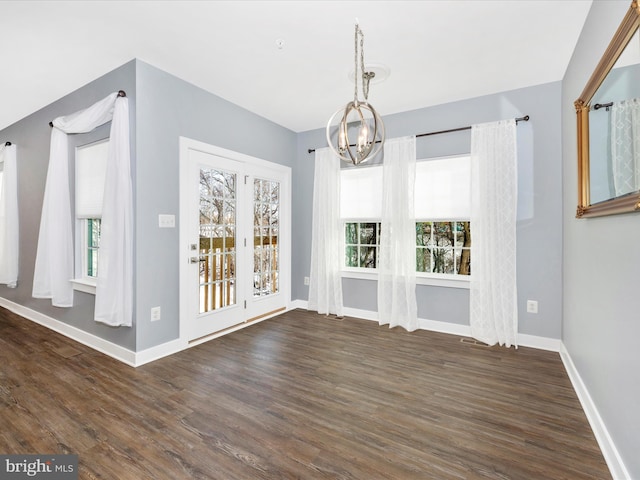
608	167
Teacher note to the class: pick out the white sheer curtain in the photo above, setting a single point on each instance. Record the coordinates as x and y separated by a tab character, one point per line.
114	289
494	183
397	262
9	227
325	281
54	259
625	146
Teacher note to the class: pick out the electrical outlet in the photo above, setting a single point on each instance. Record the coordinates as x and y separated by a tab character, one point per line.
155	314
532	306
306	280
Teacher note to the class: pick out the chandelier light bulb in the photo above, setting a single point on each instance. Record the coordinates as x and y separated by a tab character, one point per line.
342	145
363	139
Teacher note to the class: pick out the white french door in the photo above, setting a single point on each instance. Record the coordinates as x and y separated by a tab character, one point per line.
234	239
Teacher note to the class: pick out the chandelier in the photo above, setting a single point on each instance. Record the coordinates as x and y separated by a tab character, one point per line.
359	120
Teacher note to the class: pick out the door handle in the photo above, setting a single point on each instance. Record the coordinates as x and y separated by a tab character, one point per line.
197	259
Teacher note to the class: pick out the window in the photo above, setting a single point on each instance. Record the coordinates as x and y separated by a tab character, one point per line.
443	247
91	165
92	246
362	244
442	207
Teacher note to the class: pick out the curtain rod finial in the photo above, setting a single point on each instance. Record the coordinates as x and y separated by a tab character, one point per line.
122	93
8	144
51	124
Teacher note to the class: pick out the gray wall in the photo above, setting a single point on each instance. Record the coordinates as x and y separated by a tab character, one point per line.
539	218
168	108
163	108
601	324
32	136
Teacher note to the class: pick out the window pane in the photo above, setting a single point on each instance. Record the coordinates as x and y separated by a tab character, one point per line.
274	214
229	185
423	233
463	261
368	233
368	257
463	234
351	256
266	190
256	285
229	213
275	260
423	260
275	192
443	234
443	260
94	232
231	292
92	247
351	234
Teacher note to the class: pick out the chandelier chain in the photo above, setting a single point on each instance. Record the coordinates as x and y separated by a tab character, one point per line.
355	61
365	79
362	75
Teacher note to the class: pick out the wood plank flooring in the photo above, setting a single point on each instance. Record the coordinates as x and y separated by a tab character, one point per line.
299	396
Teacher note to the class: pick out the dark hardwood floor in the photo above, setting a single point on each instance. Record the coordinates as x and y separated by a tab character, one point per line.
298	396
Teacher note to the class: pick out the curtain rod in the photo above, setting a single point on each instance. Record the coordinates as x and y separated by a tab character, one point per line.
519	119
598	106
8	144
121	93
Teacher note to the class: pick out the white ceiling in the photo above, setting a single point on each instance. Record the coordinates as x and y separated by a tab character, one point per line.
437	51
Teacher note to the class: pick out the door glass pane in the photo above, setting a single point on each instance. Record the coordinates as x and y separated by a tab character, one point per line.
217	272
266	222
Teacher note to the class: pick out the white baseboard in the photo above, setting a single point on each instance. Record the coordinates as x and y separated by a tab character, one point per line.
298	304
541	343
158	352
101	345
524	340
609	451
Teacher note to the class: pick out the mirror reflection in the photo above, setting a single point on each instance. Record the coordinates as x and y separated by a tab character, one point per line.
614	129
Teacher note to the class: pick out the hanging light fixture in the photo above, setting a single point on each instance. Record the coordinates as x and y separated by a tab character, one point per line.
358	118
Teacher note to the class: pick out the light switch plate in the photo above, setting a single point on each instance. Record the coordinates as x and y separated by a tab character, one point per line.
156	314
166	221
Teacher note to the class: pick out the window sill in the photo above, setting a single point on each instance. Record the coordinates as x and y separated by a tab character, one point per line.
449	281
82	285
